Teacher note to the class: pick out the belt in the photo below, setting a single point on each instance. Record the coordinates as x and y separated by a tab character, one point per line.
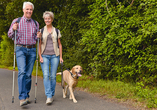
26	46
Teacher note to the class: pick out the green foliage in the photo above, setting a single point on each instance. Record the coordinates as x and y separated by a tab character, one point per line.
6	55
146	95
71	19
114	43
121	43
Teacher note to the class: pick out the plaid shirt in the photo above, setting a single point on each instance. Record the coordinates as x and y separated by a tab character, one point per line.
26	32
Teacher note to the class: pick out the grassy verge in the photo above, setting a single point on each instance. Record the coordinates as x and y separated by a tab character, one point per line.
134	94
131	94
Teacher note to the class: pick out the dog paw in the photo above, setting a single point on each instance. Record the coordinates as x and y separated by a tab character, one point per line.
64	97
70	97
75	101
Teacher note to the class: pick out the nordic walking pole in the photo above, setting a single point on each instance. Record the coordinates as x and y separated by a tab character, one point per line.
14	69
36	71
62	84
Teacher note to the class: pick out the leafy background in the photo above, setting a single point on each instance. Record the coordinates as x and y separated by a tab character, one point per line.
110	39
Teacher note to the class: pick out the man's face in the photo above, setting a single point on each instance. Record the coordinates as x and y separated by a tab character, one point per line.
28	10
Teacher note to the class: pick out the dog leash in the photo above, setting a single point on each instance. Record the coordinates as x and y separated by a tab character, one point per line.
62	84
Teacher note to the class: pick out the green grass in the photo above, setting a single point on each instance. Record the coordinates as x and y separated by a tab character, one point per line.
115	90
123	92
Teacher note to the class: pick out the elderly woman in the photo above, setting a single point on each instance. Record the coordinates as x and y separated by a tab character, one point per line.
50	53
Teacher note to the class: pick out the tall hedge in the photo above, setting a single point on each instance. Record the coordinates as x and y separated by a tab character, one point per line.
111	39
121	41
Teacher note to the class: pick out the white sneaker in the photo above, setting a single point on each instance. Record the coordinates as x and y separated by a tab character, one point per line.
48	101
23	102
28	101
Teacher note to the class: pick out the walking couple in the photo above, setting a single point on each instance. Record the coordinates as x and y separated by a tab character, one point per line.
50	51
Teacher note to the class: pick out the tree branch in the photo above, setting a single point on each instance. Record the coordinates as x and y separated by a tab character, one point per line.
119	4
131	2
127	1
107	6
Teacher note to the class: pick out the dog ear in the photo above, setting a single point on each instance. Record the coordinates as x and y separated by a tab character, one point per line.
73	70
81	70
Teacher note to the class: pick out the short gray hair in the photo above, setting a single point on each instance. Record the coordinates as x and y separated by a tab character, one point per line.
49	13
29	3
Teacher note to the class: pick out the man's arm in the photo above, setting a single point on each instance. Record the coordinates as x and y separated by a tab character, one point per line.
11	32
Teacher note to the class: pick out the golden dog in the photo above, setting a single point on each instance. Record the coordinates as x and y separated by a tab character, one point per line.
71	79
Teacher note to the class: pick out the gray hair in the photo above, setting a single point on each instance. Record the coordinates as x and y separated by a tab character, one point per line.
29	3
48	13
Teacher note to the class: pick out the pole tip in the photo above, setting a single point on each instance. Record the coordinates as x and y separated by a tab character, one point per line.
35	100
12	99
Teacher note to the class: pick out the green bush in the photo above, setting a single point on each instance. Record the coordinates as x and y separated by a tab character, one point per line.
121	42
6	51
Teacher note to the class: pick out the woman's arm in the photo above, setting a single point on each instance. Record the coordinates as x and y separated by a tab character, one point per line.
60	50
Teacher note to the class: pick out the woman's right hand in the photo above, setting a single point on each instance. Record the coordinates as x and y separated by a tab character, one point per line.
41	60
39	34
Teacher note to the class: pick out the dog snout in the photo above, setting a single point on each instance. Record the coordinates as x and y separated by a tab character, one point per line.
80	71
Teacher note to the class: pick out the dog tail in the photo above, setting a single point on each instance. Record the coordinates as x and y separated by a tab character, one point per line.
59	73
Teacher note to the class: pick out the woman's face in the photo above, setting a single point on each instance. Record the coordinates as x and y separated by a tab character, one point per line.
48	20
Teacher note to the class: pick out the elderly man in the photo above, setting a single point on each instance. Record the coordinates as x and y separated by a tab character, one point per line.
27	32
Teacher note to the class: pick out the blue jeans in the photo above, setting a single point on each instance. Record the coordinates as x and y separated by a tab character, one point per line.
25	61
49	76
